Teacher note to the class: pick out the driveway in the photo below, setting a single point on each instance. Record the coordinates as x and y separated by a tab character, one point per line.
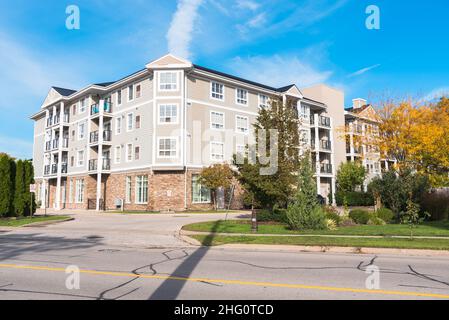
130	230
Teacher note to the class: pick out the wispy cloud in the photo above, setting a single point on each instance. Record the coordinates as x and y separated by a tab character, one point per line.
179	35
279	70
436	94
247	4
364	70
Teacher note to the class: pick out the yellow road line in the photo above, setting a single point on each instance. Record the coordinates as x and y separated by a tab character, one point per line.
236	282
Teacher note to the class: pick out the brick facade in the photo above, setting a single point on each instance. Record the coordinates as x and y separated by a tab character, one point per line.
166	192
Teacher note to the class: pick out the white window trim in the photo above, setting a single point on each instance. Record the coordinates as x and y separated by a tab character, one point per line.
136	188
224	120
134	93
210	91
117	150
247	124
77	193
260	101
117	127
159	148
127	122
168	90
159	113
78	165
200	202
130	179
116	98
80	103
210	151
79	131
140	152
128	151
237	98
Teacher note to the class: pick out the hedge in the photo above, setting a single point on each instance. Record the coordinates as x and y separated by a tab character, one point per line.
354	199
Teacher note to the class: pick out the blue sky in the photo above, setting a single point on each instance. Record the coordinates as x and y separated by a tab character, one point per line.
276	42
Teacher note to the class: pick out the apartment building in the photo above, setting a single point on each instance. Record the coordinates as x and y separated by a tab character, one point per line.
362	128
141	141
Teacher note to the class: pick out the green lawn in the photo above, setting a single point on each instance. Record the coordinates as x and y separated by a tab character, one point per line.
20	222
434	229
318	241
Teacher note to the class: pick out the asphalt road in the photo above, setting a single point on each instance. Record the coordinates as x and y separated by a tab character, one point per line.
141	257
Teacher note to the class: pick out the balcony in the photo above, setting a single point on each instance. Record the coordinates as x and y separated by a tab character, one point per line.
64	168
65	143
48	146
56	120
47	170
325	145
94	137
93	164
326	168
312	119
66	118
50	121
55	144
54	168
325	121
107	135
95	108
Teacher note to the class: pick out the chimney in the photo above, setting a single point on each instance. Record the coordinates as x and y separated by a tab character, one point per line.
358	103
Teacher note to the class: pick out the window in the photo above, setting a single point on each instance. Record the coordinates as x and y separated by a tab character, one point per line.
216	151
263	101
131	92
79	192
242	96
167	148
118	154
80	159
129	152
200	194
241	150
168	81
142	189
138	91
217	91
72	161
136	153
168	113
305	112
130	122
241	124
137	122
73	135
118	125
81	130
119	97
74	109
83	105
217	120
128	190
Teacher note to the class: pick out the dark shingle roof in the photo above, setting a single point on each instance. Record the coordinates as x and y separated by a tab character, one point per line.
286	88
64	92
358	110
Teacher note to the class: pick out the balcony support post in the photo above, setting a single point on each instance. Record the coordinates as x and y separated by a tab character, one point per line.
100	153
333	168
59	170
317	153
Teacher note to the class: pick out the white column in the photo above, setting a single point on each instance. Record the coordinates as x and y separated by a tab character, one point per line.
100	153
317	154
351	141
59	170
334	168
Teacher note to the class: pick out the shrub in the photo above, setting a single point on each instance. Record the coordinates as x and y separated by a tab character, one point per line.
376	221
264	215
332	214
360	216
347	222
331	224
277	215
354	199
385	214
306	220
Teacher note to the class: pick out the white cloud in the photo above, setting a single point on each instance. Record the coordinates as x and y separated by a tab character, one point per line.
364	70
279	70
247	4
436	94
179	35
257	21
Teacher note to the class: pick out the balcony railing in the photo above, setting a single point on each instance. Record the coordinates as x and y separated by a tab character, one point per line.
94	137
50	121
64	168
325	145
93	164
95	108
66	118
55	144
48	146
326	168
56	119
106	164
65	142
54	168
312	119
107	135
325	122
47	170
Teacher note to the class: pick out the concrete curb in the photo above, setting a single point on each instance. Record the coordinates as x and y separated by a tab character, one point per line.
323	249
46	223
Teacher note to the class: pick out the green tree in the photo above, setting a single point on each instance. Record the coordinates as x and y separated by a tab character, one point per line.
278	187
350	175
216	177
19	190
7	171
412	216
28	196
305	212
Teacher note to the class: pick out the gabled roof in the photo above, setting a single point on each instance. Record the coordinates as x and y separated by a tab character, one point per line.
64	92
358	110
